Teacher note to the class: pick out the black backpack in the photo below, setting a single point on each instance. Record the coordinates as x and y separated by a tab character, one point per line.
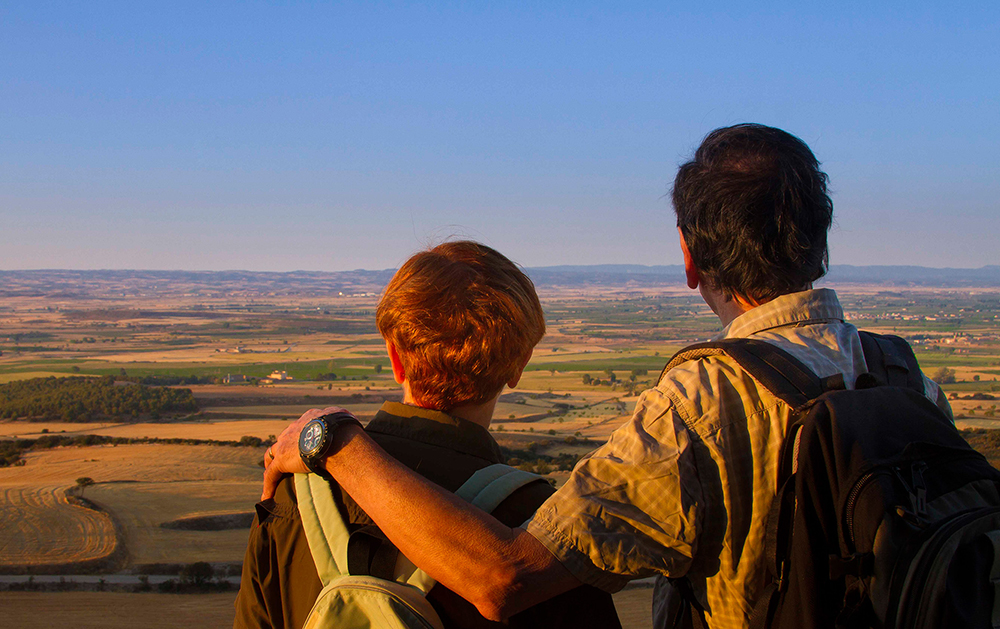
884	516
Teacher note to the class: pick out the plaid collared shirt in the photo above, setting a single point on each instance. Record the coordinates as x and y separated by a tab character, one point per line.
684	487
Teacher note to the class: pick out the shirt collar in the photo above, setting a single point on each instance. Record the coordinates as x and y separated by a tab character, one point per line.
435	428
806	307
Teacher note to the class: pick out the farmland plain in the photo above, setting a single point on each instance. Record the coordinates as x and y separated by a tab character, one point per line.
605	344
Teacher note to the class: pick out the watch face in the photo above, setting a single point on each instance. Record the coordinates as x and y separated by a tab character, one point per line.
312	436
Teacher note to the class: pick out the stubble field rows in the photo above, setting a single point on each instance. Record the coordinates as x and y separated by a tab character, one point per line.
40	529
143	486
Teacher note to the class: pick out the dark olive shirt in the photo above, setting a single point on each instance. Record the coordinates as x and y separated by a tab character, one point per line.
279	583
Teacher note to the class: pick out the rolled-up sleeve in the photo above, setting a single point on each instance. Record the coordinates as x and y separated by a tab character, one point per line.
632	508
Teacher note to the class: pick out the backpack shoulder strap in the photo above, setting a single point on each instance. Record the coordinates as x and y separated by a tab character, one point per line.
330	541
324	528
891	360
491	485
781	373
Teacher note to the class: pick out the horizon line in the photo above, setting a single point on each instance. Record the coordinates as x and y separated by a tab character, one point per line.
620	265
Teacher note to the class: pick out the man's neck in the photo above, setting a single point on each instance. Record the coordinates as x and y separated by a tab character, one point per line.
725	308
728	309
480	414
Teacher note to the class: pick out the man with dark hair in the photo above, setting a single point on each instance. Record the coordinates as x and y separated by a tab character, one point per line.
459	322
753	210
683	488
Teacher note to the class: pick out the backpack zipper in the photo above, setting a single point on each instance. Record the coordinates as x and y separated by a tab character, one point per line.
918	497
852	500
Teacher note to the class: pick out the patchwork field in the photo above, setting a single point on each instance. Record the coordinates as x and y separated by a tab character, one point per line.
255	361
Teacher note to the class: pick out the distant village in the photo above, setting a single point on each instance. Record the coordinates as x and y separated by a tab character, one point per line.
275	376
239	349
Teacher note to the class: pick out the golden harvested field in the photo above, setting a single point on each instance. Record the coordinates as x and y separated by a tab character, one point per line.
113	610
286	411
142	486
142	507
39	528
215	430
9	377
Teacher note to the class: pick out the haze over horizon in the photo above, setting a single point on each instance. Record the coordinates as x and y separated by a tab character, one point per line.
213	136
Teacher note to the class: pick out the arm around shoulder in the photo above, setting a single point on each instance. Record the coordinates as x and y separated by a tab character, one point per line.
498	569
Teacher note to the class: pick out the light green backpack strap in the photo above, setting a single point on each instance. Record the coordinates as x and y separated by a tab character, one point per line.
490	486
325	530
486	489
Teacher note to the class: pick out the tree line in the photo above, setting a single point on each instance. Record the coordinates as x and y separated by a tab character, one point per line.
77	399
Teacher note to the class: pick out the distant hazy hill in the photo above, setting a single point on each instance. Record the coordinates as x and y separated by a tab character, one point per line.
109	284
69	284
606	274
918	275
839	274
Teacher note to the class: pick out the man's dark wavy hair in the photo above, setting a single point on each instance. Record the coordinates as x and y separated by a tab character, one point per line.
754	211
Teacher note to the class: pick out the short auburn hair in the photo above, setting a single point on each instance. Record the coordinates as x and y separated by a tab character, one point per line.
464	319
754	210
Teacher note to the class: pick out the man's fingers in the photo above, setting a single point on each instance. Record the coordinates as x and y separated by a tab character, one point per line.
271	478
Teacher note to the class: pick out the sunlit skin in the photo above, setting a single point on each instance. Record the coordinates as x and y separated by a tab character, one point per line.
500	570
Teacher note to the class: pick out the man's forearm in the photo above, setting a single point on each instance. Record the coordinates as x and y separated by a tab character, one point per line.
498	569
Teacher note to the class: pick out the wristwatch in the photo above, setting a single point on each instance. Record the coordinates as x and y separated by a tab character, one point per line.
317	436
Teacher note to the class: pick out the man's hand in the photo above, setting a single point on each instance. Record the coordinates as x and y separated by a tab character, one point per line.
283	457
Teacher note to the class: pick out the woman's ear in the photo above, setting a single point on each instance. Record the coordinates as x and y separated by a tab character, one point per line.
398	372
517	377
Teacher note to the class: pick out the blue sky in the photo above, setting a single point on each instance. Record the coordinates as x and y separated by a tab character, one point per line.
282	136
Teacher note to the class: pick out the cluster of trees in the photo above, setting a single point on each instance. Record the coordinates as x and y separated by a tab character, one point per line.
631	386
612	378
589	380
83	399
944	375
531	460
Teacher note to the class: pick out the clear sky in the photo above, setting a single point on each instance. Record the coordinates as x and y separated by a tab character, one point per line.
333	136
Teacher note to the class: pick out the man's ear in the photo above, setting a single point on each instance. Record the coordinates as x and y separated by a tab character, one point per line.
690	270
398	372
517	377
